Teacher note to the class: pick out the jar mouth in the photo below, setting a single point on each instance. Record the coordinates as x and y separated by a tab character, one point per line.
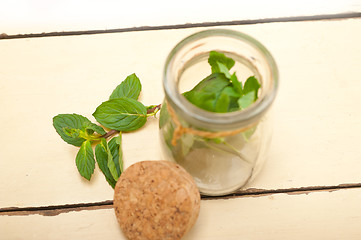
177	60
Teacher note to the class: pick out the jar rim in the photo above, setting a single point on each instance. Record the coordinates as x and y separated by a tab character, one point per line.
234	119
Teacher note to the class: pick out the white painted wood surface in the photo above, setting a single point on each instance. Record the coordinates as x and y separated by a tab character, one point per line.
317	124
37	16
319	215
317	121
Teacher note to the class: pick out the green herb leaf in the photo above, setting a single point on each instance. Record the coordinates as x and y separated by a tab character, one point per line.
110	161
130	88
68	126
252	85
216	140
72	132
246	100
164	115
92	127
85	160
230	91
222	103
233	98
186	141
205	93
249	133
237	85
122	114
115	146
227	101
216	57
223	69
111	165
166	126
103	157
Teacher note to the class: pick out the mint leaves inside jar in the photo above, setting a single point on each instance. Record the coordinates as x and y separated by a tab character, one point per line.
221	91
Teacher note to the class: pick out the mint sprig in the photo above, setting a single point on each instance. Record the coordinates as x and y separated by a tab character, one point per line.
121	113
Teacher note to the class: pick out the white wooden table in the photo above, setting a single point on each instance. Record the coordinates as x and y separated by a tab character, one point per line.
310	188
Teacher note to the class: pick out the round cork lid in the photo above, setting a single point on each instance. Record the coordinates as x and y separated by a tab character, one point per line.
156	200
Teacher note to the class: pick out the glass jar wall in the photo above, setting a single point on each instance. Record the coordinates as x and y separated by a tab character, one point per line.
222	151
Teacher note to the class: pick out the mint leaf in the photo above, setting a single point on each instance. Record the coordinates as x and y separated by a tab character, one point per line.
110	161
246	100
237	85
122	114
248	134
115	146
250	92
230	91
92	127
227	101
186	141
212	83
111	165
72	132
223	69
85	160
222	103
130	88
216	57
164	115
205	93
66	125
252	85
233	98
103	157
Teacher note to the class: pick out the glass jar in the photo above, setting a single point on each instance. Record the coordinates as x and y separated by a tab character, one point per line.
222	151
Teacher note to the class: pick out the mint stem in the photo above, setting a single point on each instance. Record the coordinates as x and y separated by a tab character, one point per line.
110	133
152	110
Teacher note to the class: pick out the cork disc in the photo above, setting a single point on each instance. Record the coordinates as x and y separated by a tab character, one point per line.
156	200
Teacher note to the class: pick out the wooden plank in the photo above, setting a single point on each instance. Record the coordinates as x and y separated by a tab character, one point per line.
315	215
39	16
317	121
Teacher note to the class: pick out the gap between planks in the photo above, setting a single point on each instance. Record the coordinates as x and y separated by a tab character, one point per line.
346	15
54	210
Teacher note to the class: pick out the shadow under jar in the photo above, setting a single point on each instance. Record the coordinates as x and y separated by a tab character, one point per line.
222	151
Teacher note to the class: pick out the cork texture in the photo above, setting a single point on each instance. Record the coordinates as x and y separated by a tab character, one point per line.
156	200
